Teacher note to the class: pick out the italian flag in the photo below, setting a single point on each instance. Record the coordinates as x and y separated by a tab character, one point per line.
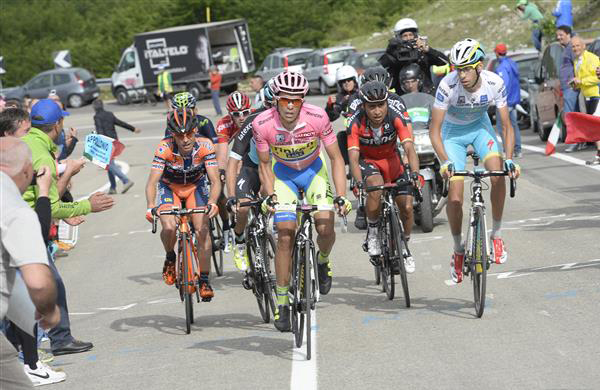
582	127
554	135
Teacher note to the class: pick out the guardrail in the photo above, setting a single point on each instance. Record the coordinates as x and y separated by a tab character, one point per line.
103	81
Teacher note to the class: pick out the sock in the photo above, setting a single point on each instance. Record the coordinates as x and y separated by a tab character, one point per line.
33	366
282	295
372	226
171	256
203	277
239	239
323	258
458	245
496	226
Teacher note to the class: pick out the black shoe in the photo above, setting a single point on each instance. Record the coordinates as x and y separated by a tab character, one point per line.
361	221
75	346
282	318
324	277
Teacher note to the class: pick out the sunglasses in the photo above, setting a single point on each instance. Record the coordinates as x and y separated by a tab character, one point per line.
186	134
239	114
284	102
467	67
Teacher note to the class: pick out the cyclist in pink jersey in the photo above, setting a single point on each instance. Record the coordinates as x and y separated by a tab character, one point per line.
292	132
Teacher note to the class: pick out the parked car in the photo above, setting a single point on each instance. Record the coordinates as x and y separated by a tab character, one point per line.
283	59
322	64
74	86
364	59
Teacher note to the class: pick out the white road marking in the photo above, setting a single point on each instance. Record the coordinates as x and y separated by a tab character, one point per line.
105	235
508	275
82	314
561	156
140	231
450	282
436	267
304	372
118	308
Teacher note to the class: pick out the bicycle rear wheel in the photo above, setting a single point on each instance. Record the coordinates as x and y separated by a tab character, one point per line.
377	269
479	262
258	285
216	239
187	297
398	253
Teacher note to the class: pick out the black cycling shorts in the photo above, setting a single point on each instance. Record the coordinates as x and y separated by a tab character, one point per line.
248	183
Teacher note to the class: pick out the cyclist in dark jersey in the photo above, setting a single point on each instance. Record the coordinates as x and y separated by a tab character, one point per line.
185	100
245	185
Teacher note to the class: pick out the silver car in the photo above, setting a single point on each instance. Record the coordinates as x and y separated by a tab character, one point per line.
74	86
283	59
321	66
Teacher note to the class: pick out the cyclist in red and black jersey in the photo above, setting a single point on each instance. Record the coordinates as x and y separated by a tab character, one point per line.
238	105
373	133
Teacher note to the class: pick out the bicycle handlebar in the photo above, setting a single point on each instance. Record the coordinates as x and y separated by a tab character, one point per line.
304	208
178	212
482	174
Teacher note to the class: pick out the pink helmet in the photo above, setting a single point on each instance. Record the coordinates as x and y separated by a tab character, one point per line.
290	82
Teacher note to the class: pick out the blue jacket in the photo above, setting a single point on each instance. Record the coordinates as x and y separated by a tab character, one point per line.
563	13
566	71
508	70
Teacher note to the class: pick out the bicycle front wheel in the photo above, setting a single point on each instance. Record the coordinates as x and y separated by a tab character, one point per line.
399	253
216	239
268	258
309	282
257	278
297	285
387	268
185	286
479	262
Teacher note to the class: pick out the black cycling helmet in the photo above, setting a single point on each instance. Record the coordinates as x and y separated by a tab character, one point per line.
377	73
373	92
411	71
181	121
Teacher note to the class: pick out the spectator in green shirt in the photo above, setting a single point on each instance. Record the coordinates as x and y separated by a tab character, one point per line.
528	10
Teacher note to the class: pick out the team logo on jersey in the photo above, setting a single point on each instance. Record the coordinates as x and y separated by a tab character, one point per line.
483	99
461	100
440	97
279	137
161	150
490	144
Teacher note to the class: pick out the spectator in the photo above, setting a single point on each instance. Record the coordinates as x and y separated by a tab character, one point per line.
66	142
47	118
105	122
566	73
13	103
215	88
22	249
165	86
2	103
407	47
528	10
509	71
14	122
257	83
586	80
563	13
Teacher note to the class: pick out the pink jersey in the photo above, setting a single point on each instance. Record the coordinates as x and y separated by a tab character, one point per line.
297	148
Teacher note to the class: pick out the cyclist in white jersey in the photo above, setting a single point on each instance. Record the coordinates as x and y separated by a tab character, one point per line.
459	119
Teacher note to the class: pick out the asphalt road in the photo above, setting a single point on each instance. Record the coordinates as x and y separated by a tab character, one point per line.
539	331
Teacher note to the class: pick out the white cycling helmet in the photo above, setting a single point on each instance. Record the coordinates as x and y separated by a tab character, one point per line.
466	52
405	24
346	72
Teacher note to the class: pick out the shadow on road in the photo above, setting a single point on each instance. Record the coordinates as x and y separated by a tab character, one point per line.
176	325
268	346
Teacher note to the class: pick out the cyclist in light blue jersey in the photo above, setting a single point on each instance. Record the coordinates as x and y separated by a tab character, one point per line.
459	119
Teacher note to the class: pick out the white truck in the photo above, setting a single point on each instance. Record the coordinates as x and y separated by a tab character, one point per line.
187	52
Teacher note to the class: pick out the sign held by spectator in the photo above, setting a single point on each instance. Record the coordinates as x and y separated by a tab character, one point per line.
62	59
100	149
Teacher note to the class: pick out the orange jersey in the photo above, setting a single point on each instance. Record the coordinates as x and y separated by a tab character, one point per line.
178	169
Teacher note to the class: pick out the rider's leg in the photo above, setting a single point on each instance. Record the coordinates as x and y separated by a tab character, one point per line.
498	194
204	249
405	206
283	255
241	219
454	210
168	233
325	233
373	204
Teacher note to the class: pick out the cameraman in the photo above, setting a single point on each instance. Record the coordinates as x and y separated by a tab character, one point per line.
406	48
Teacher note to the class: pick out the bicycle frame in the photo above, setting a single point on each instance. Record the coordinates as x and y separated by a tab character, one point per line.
476	204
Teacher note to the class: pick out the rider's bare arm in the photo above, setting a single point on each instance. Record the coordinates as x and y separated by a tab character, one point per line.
222	151
507	132
212	172
153	179
435	133
337	168
413	159
265	172
233	167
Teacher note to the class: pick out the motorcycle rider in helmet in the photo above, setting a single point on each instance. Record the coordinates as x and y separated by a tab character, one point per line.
347	82
407	47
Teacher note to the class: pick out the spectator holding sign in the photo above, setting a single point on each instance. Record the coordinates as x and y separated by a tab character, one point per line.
105	122
47	122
